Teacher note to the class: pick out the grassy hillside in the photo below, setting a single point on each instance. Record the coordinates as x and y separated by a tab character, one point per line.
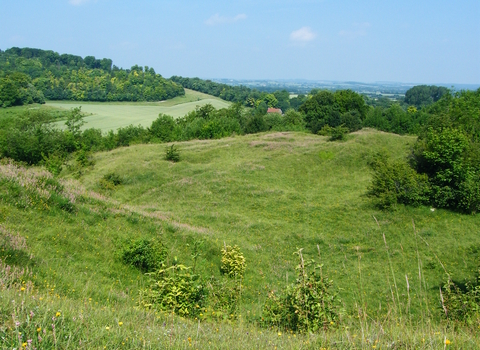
113	115
268	193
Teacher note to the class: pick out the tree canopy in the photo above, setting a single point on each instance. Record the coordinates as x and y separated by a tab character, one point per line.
69	77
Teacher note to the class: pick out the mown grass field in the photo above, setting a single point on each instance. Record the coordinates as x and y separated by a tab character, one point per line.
113	115
268	193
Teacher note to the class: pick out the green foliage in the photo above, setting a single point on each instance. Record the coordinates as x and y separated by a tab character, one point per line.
28	188
445	157
75	121
16	89
461	304
54	162
233	262
338	133
130	135
334	109
255	123
31	138
110	181
396	182
424	95
84	158
162	128
146	255
68	77
172	154
308	305
224	296
174	289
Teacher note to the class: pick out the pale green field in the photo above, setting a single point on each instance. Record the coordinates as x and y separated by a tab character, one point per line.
113	115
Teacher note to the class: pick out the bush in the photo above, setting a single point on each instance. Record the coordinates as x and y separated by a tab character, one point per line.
175	290
172	154
461	305
144	254
233	262
110	180
162	128
255	124
447	157
396	182
308	305
337	133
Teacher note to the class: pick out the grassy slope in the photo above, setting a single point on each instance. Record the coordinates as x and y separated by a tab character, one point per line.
113	115
268	193
272	193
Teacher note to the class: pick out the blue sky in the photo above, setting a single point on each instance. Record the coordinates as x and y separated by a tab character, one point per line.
348	40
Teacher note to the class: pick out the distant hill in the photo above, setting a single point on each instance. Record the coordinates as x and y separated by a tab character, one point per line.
69	77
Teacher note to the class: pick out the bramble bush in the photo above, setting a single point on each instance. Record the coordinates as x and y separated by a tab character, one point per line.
308	305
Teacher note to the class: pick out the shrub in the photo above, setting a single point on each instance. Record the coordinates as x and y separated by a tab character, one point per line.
174	289
396	182
144	254
338	133
447	157
461	305
308	305
110	180
172	154
162	128
233	262
255	124
54	163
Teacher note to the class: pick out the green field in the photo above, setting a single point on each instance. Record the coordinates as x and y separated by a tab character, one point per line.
113	115
270	194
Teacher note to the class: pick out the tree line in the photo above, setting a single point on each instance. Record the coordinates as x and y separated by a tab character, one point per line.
33	75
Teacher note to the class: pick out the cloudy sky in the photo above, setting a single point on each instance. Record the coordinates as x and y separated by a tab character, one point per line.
416	41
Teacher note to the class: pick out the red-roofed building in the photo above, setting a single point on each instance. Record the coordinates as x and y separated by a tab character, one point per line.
274	110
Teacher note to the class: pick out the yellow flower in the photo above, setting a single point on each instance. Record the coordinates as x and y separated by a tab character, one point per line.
279	333
107	328
57	314
39	329
447	342
22	289
24	345
189	339
331	322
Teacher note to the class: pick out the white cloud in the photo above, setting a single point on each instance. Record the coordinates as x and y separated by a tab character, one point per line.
359	29
217	19
303	35
78	2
